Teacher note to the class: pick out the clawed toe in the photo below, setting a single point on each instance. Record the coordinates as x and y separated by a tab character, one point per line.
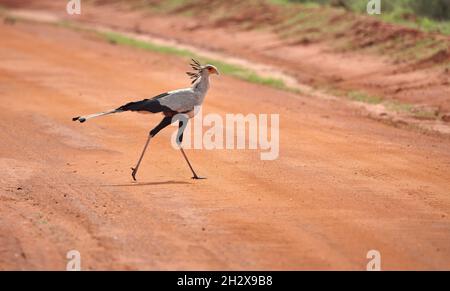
133	173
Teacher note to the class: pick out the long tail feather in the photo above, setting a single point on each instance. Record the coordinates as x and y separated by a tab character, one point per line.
86	117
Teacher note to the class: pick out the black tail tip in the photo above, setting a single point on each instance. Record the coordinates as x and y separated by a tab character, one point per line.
80	119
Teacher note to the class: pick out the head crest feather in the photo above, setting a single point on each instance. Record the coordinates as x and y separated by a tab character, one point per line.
195	75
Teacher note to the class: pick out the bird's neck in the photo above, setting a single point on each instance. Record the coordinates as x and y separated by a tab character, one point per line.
202	84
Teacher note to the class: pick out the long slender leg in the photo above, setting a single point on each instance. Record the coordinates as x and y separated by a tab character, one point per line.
190	166
165	122
180	125
136	168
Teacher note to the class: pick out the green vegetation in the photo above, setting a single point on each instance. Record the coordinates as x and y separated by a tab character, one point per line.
400	107
390	105
417	112
224	68
245	74
364	97
435	9
118	38
428	15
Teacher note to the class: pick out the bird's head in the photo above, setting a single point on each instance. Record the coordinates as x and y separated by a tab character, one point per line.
201	70
211	69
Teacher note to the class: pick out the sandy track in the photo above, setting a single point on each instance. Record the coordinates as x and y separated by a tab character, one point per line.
343	184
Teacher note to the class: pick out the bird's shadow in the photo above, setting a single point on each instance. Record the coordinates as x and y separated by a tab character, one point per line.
134	184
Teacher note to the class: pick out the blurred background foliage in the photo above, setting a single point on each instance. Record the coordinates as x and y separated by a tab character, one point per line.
434	9
425	15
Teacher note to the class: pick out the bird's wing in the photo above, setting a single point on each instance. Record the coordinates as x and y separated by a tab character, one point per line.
182	100
147	105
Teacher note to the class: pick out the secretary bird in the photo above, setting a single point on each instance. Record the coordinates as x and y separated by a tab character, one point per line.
182	101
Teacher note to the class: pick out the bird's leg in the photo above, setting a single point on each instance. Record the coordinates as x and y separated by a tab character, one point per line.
190	166
180	139
165	122
136	168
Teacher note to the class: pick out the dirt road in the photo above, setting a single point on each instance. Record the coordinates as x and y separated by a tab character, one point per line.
343	184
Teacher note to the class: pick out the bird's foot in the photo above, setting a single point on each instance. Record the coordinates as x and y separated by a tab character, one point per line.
133	173
198	178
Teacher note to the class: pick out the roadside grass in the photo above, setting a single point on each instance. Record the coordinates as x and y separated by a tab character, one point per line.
69	25
7	18
390	105
120	39
397	12
168	5
363	97
420	23
400	107
415	111
224	68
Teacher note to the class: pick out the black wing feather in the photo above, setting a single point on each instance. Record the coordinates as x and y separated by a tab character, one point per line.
151	105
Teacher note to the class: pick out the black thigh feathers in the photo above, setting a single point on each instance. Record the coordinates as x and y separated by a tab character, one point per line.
149	105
